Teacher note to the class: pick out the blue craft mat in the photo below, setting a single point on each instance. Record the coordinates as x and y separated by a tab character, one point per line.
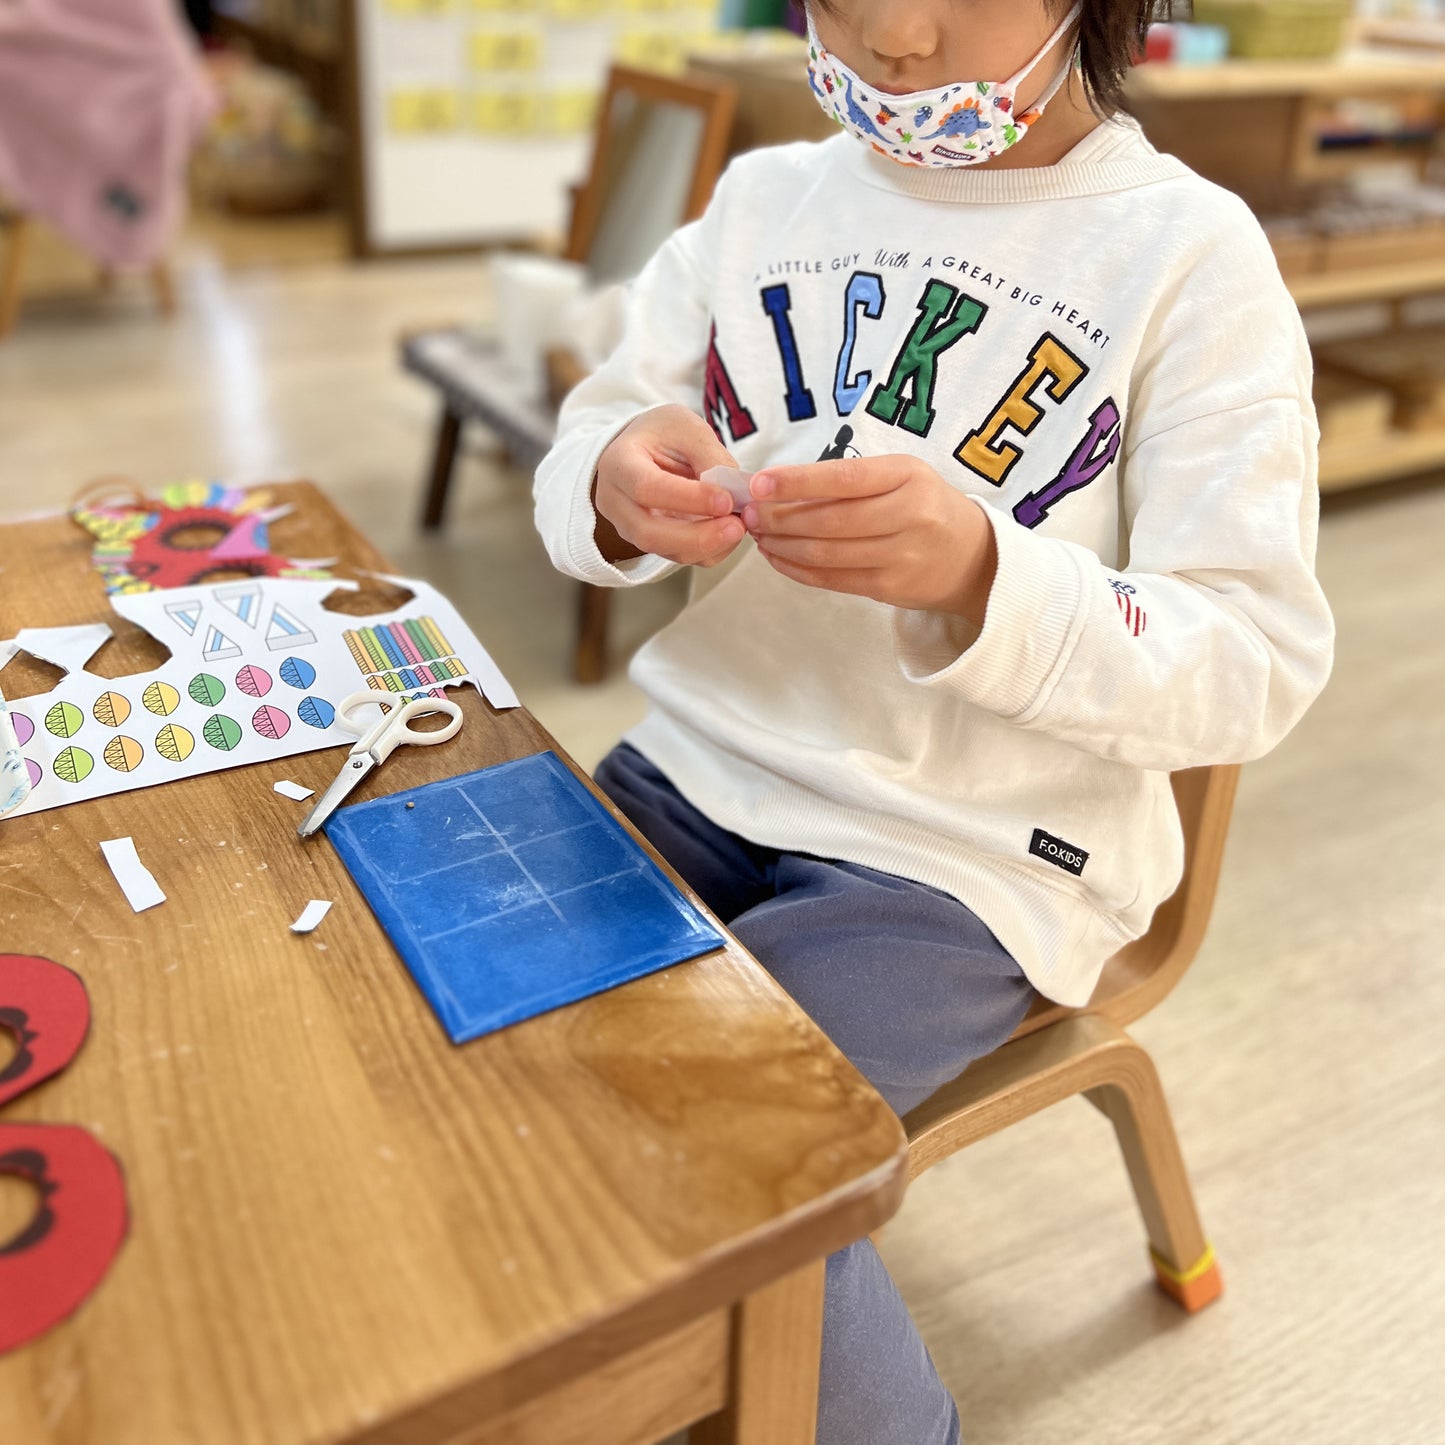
511	891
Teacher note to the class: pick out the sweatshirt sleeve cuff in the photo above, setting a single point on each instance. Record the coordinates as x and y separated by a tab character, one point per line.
1029	626
589	563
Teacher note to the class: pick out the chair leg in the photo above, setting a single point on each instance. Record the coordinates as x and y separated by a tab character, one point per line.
590	660
444	457
1133	1100
10	266
164	284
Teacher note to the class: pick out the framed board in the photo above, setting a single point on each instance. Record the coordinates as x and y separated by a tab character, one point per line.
470	118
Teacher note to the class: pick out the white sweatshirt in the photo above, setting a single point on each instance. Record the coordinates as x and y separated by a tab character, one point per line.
1103	355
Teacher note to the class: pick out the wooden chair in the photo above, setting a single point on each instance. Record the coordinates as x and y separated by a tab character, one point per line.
12	260
1057	1052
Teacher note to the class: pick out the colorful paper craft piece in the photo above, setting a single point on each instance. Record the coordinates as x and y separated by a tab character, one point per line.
218	646
195	532
91	736
254	681
44	1006
51	1266
511	891
16	778
206	690
221	732
185	615
316	712
284	630
245	602
111	709
298	673
270	722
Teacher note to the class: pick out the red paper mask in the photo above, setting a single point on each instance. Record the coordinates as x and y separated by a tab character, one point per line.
50	1267
198	532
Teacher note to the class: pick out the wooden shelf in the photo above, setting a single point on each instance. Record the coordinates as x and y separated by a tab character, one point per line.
1362	74
1373	283
1381	459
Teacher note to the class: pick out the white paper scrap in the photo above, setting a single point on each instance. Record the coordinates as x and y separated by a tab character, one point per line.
311	915
140	889
291	790
733	480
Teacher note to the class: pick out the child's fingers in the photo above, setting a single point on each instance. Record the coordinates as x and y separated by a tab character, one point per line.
662	491
831	554
831	480
873	516
685	542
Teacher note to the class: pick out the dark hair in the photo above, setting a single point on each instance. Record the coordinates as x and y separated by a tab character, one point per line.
1111	34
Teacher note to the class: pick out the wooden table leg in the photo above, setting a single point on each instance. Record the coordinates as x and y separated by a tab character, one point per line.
777	1338
443	460
10	263
590	660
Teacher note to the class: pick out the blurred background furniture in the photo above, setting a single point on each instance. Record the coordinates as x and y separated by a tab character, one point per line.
15	230
1341	160
659	146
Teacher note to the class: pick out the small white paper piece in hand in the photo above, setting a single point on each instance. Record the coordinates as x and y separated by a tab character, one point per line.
311	915
140	889
291	790
733	480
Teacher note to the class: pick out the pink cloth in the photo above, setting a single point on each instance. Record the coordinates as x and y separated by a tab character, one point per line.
100	104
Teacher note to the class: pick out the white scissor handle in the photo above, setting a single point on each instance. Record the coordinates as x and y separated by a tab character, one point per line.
393	727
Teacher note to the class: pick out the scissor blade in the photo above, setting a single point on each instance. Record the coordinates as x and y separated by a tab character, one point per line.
357	766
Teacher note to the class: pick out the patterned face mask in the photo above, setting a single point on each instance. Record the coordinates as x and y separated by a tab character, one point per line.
956	125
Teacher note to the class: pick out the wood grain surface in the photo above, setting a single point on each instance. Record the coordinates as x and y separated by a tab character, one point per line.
340	1220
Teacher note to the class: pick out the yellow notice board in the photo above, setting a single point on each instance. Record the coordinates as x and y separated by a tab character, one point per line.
476	114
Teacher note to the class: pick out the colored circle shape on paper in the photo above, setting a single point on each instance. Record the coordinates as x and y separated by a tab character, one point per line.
221	732
64	720
298	673
24	728
316	712
271	722
73	765
123	754
174	743
111	709
161	698
33	768
254	681
206	690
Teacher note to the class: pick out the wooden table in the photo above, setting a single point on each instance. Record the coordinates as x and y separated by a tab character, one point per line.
588	1229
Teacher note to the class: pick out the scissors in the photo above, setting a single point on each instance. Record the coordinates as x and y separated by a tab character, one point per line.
378	741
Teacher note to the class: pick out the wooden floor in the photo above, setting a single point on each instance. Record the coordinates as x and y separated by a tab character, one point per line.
1302	1054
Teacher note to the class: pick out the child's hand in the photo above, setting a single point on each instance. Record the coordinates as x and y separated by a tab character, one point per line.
886	527
648	496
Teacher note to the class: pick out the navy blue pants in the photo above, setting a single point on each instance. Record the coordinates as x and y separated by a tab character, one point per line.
911	986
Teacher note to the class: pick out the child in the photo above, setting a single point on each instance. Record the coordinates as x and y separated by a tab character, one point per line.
1034	513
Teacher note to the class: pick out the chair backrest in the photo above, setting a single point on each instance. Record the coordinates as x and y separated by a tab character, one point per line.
1143	972
658	147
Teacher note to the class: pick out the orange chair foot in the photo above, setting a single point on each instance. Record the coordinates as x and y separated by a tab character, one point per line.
1193	1288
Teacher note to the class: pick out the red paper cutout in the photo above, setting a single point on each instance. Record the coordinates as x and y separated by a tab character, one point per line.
49	1268
44	1005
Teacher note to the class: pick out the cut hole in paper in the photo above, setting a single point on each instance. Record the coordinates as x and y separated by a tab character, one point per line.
27	676
129	653
196	536
373	595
